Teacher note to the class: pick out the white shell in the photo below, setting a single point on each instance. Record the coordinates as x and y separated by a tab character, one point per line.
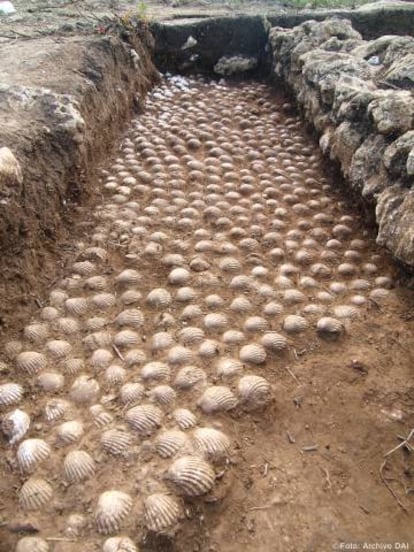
10	393
161	341
30	453
161	512
103	301
217	399
126	338
49	313
228	367
36	332
55	409
295	324
254	391
170	442
76	306
185	418
32	544
131	296
162	394
131	392
179	276
15	425
130	317
101	358
135	357
273	341
255	324
241	305
50	381
159	298
179	355
35	493
31	362
188	377
119	544
191	475
215	321
190	335
209	348
155	371
59	348
330	327
144	418
67	325
253	353
293	296
96	283
213	444
233	337
84	268
100	415
77	466
69	432
84	389
345	311
116	441
128	277
113	507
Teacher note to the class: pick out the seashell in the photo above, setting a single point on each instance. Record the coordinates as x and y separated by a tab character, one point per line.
233	337
32	544
241	304
254	391
144	418
69	432
96	323
230	264
36	333
191	312
320	270
283	282
67	325
10	393
345	311
379	294
159	298
131	392
273	341
215	321
55	409
96	283
115	375
209	348
155	371
77	466
253	353
179	276
84	389
76	306
131	296
128	277
199	264
358	300
168	443
255	324
84	268
50	381
119	544
58	297
173	259
15	425
228	367
293	296
35	493
329	327
100	359
359	284
59	348
162	394
295	324
126	338
347	269
100	415
161	512
30	453
185	418
98	340
272	309
190	335
185	295
179	355
103	301
191	475
188	377
49	313
161	341
116	441
31	362
217	399
135	357
112	509
130	317
384	282
242	283
214	301
213	444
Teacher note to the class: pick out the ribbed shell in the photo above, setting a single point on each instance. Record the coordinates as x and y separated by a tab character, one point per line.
116	441
330	327
241	305
159	298
209	348
179	276
163	395
35	494
113	507
10	393
217	399
131	296
84	268
15	425
161	341
184	418
215	321
50	381
36	332
213	444
230	264
59	348
228	367
233	337
155	371
179	355
273	341
131	392
100	415
128	277
55	409
31	362
130	317
161	512
49	314
144	418
32	544
77	466
253	353
254	391
126	338
67	325
345	311
168	443
190	335
255	324
69	432
295	324
76	306
101	358
103	301
119	544
96	283
30	453
189	376
135	357
191	475
84	389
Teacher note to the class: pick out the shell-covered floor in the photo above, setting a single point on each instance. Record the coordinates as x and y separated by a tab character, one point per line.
218	249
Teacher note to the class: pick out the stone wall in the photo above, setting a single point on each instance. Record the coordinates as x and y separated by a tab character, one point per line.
359	96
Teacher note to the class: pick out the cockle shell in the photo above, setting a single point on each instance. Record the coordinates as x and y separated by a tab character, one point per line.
100	415
32	544
119	544
36	332
273	341
30	453
159	298
131	392
10	393
185	418
115	375
77	466
67	325
131	296
168	443
329	327
31	362
77	306
144	418
155	371
345	311
84	389
84	268
179	276
55	409
130	317
96	283
161	341
112	509
126	338
59	348
241	305
116	441
191	475
58	297
254	392
15	425
35	493
190	335
50	381
295	324
103	301
188	377
100	359
161	512
228	367
135	357
128	277
217	399
253	353
255	324
69	432
163	395
49	314
213	444
209	348
179	355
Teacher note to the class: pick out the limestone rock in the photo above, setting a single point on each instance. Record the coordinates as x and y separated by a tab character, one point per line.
228	66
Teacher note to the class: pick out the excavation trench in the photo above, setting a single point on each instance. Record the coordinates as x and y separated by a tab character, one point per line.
224	359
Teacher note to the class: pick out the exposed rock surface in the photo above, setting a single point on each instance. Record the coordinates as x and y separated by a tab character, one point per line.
359	96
